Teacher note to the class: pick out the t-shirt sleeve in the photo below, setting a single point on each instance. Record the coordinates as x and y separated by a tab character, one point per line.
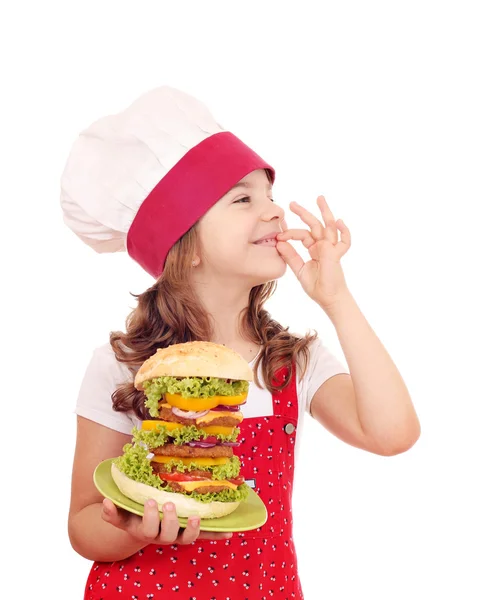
102	377
322	365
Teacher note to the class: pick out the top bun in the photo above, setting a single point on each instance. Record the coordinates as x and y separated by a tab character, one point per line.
194	359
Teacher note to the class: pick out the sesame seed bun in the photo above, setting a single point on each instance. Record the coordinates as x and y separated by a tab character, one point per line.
194	359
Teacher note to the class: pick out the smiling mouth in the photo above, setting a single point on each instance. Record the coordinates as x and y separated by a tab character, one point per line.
271	243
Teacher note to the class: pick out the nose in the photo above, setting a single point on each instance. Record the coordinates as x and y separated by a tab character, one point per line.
272	211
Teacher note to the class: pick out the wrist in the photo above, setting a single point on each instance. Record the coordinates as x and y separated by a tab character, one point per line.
340	305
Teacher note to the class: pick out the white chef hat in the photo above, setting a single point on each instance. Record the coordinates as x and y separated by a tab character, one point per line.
138	180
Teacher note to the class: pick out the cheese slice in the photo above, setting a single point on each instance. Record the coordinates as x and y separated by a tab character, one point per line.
190	486
219	414
152	425
218	430
205	461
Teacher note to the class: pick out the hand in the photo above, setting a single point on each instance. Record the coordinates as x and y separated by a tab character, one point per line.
322	277
146	529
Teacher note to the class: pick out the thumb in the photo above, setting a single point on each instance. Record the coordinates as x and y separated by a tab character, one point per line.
290	256
111	514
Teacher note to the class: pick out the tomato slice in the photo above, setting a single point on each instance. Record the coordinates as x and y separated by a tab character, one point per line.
175	476
211	439
237	481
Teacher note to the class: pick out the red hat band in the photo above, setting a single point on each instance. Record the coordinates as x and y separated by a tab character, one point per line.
196	182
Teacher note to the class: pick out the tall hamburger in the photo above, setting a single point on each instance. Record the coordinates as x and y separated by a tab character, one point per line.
184	452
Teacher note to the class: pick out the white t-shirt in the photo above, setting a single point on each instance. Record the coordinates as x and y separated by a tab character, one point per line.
104	374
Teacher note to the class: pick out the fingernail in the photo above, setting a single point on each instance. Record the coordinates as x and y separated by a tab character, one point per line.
152	503
169	506
194	522
228	535
105	506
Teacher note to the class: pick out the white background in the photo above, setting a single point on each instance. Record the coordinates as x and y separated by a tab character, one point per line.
376	105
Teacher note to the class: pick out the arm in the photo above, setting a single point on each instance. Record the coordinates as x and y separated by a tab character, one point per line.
91	536
371	408
98	530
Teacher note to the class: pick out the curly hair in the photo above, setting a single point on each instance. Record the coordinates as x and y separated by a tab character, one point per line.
169	312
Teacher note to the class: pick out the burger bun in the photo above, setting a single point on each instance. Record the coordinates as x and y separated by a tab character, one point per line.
194	359
185	506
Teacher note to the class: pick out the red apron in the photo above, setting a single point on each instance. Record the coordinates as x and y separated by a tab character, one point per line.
255	565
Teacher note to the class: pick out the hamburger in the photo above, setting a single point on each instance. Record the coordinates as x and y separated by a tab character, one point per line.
184	452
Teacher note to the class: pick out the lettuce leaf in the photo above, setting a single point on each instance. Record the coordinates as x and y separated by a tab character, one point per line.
134	464
152	439
190	387
152	404
183	435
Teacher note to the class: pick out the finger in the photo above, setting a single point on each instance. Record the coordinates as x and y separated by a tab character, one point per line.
325	209
191	533
313	223
283	224
301	235
116	517
345	234
331	231
291	257
148	528
169	524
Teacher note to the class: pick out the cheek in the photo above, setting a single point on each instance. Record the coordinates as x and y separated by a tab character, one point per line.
223	245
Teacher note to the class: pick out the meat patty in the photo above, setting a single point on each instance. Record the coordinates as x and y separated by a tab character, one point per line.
223	421
160	468
185	451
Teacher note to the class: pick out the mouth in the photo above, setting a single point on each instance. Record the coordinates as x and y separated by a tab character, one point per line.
269	240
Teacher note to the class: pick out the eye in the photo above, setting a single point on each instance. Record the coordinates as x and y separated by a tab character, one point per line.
246	198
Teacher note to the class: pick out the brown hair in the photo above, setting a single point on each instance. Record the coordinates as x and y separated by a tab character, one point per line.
169	312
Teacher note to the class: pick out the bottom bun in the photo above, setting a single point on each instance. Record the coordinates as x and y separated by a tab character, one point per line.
185	506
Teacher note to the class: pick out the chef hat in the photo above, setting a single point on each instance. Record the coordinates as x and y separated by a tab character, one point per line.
140	179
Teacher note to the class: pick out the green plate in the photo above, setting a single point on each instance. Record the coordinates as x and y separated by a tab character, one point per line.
249	515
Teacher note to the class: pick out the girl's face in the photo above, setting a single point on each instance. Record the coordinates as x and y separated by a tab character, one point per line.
230	233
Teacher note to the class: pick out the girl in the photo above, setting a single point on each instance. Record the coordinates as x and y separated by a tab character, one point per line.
193	206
